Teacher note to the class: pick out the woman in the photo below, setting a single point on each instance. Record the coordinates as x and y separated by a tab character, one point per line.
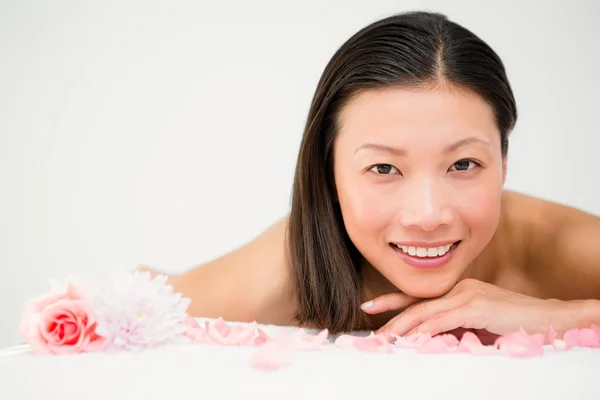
398	205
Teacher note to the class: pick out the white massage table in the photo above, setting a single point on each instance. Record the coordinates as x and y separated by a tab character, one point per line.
200	371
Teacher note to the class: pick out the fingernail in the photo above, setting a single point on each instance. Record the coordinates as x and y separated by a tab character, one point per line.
367	305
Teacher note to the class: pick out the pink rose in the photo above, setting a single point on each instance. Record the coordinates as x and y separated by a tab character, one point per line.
60	323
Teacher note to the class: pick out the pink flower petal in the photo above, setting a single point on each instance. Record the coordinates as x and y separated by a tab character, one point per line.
521	344
274	354
260	338
191	322
240	335
96	344
413	341
74	292
571	338
218	326
470	343
198	335
437	345
345	341
449	339
589	338
538	338
218	332
305	341
374	344
72	332
585	337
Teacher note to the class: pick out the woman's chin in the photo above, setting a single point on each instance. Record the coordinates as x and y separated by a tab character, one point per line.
426	288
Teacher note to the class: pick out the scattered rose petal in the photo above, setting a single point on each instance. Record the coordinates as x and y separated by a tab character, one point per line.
190	322
260	338
521	344
279	352
571	338
198	335
449	339
537	338
274	354
589	338
238	335
218	332
374	344
345	341
470	343
305	341
586	337
436	345
413	341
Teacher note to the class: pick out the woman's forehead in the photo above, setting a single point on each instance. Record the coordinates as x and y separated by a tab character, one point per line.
418	113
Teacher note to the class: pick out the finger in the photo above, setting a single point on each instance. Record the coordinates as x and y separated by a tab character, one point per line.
446	321
418	313
387	302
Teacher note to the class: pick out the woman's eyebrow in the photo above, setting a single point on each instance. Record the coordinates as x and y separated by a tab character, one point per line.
381	147
466	141
398	151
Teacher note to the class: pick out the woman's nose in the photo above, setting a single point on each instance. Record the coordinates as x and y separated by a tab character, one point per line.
425	206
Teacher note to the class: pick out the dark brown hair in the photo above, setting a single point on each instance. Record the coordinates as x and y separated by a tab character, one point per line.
406	50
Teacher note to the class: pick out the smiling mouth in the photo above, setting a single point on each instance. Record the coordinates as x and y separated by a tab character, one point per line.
426	252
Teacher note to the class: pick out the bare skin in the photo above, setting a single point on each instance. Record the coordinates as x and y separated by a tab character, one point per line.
540	249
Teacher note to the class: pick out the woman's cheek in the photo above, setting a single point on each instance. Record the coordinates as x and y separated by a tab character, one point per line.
365	209
480	207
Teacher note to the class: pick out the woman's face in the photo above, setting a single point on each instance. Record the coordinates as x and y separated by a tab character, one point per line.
419	176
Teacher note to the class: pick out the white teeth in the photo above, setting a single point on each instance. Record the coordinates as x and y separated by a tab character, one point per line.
426	251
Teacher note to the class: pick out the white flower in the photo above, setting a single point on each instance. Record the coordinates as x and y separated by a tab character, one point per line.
139	311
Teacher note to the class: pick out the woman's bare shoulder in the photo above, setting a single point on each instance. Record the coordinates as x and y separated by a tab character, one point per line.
537	215
553	243
248	284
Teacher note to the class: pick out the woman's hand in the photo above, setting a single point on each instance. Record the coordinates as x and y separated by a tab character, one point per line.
471	305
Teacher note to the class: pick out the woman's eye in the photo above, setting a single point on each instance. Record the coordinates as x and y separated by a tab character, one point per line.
464	165
384	169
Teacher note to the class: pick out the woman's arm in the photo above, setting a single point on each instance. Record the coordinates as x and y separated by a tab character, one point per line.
248	284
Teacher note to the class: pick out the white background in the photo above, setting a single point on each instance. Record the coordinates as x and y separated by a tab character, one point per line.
166	134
